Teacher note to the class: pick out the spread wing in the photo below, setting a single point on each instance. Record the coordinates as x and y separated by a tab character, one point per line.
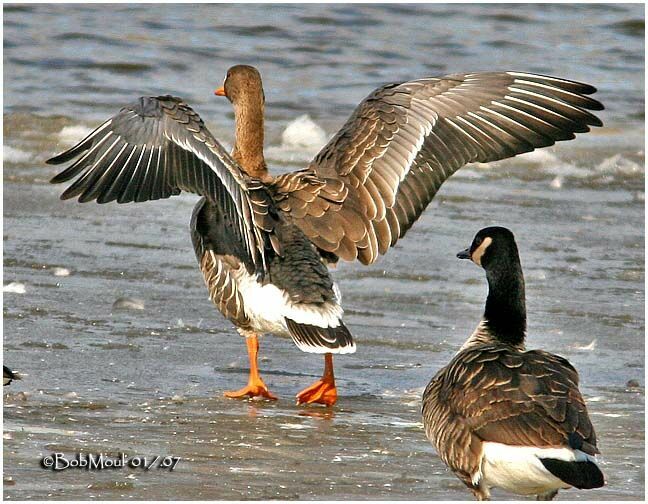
494	394
373	179
157	148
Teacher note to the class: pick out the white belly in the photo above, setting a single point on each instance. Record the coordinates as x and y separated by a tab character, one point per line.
267	307
518	469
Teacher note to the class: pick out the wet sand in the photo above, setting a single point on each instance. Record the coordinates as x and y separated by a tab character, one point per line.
149	382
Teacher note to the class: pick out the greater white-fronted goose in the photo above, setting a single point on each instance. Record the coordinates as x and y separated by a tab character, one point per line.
8	376
501	416
262	241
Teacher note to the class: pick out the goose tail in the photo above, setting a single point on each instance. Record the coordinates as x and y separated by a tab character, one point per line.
316	339
584	474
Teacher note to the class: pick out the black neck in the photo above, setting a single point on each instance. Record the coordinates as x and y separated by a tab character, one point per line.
505	312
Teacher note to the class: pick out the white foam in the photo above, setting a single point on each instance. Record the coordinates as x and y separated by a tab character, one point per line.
289	426
126	303
618	164
414	393
536	274
61	272
73	134
541	156
605	171
246	470
303	132
15	288
13	155
406	425
557	182
50	430
300	141
548	163
561	169
589	346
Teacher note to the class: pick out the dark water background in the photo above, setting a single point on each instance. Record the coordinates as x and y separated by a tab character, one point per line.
150	382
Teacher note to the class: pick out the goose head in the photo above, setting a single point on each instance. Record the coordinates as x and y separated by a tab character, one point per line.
491	246
243	87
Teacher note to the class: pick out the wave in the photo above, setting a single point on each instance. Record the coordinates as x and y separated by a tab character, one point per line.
38	137
13	155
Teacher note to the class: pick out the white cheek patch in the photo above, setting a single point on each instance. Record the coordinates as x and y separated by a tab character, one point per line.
479	252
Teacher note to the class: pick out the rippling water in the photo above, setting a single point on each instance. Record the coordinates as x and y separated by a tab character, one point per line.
150	381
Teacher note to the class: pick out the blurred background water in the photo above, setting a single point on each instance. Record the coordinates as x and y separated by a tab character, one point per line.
149	381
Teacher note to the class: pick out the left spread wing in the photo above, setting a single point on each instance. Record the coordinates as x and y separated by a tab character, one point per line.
156	148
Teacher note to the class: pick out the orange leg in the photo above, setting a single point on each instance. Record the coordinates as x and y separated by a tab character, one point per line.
255	386
322	391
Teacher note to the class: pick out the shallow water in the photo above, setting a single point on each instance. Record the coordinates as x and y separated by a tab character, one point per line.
150	381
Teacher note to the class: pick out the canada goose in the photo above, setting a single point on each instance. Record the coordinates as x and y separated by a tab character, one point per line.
501	416
8	375
263	242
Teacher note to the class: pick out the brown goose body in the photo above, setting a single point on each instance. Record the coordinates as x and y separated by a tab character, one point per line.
502	416
297	281
261	238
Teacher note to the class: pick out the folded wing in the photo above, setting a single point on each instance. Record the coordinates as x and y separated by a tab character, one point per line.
529	399
370	183
517	399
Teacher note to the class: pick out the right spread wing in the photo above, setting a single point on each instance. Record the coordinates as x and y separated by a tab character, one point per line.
374	178
157	148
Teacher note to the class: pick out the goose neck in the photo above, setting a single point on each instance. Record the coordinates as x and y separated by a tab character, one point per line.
505	311
248	147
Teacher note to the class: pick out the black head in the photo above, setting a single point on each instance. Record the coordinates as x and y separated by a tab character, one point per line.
491	245
242	84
